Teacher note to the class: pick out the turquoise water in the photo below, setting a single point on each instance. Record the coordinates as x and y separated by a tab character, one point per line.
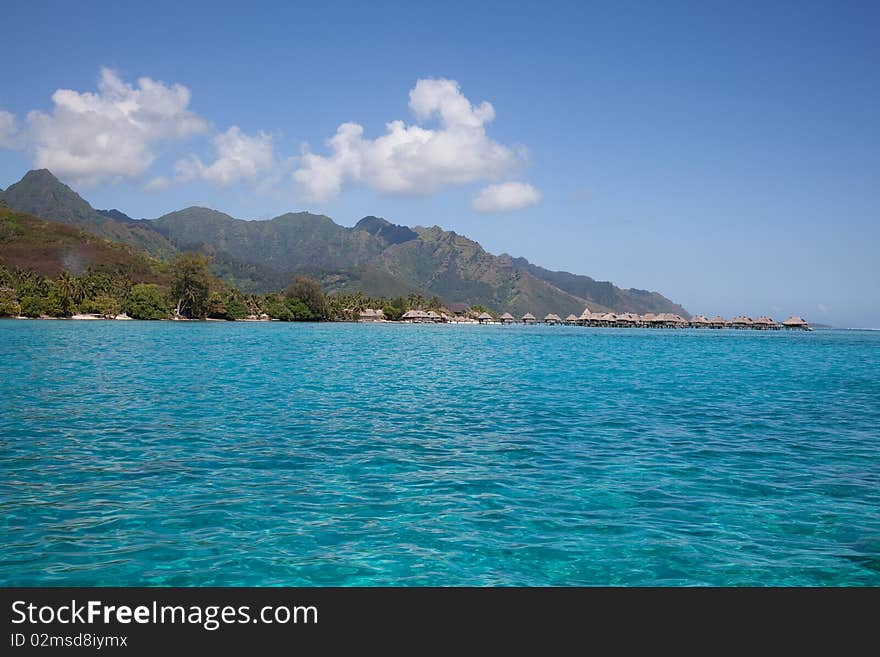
338	454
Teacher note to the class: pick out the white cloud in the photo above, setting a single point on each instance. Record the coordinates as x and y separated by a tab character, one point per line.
109	135
159	184
506	197
411	159
239	157
8	130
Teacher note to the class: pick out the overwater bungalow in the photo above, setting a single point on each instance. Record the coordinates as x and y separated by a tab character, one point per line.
765	324
571	319
629	320
507	318
552	318
485	318
415	317
795	323
371	315
607	319
585	317
596	319
741	322
528	318
699	321
432	316
717	322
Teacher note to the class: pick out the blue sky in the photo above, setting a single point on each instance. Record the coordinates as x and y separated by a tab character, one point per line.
724	154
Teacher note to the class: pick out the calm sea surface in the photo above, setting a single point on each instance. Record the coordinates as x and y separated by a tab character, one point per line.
339	454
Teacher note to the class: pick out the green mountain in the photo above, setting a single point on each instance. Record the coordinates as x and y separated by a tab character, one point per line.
459	269
286	243
376	256
41	194
48	248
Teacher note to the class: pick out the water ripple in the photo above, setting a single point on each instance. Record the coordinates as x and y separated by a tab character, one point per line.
278	454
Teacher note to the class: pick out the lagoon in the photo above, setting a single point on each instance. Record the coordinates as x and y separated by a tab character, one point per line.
138	453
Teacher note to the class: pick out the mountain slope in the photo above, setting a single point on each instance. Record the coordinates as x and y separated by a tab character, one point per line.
603	293
459	269
48	248
41	194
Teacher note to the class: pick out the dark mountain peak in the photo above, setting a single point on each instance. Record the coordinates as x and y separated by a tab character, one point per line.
40	193
45	180
385	230
118	215
371	223
41	175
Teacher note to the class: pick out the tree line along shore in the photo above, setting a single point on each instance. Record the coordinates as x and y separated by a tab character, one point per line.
187	290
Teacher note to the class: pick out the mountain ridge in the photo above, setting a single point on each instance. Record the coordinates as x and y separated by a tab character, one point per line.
376	256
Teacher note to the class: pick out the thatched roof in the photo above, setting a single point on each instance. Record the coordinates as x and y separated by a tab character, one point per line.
671	318
629	317
552	317
485	316
571	318
585	315
699	319
528	316
433	315
718	319
795	321
369	313
649	317
507	316
409	314
596	317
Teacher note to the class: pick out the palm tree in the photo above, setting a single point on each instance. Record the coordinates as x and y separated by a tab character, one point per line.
69	291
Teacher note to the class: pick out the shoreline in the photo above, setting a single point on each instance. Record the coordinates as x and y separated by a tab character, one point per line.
748	329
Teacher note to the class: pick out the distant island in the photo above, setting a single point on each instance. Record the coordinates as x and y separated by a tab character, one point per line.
60	257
